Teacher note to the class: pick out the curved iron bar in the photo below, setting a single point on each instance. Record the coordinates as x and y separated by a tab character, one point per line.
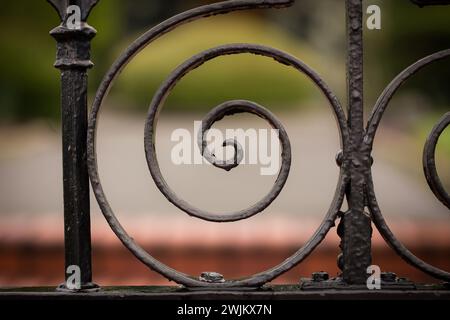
383	101
429	163
219	112
216	114
172	274
393	242
430	169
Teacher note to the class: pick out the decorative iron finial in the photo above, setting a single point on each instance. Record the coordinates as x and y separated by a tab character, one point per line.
61	7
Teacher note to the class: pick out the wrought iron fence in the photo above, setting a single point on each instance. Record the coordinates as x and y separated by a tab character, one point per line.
355	184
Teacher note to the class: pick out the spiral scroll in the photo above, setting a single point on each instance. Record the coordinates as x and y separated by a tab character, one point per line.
217	113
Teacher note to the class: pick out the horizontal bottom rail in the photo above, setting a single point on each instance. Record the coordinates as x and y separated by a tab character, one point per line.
276	292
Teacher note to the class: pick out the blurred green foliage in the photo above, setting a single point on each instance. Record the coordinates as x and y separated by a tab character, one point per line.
29	85
233	77
408	34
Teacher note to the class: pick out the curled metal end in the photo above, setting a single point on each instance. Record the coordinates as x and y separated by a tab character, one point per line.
227	164
213	116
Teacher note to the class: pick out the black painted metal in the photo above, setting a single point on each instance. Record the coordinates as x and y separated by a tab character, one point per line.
288	292
357	231
423	3
354	184
72	58
430	174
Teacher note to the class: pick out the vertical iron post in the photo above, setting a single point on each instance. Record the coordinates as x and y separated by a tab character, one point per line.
357	229
73	38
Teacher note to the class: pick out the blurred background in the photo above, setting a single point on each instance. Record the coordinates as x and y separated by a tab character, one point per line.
31	208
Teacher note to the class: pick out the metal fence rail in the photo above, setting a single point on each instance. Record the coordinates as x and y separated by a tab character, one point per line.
355	184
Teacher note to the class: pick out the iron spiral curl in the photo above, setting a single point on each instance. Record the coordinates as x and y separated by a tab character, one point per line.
236	106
